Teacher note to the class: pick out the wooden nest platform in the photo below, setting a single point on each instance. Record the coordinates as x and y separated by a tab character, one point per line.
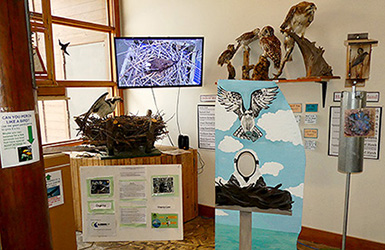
123	136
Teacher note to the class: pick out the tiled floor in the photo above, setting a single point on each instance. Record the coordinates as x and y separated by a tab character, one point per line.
198	234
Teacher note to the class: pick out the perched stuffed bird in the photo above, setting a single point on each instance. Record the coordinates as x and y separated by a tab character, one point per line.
246	38
271	45
63	46
260	99
231	71
299	17
102	106
227	55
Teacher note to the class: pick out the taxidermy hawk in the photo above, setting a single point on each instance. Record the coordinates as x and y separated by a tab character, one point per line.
299	17
102	106
260	99
246	38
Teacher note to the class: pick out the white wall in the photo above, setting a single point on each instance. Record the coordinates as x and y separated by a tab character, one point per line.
220	22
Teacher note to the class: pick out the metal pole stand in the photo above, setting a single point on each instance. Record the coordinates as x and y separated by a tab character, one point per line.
351	149
346	209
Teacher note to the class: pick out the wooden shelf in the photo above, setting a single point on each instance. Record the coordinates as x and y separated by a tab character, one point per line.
309	79
322	80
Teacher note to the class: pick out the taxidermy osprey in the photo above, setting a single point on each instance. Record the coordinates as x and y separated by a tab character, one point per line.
102	106
260	99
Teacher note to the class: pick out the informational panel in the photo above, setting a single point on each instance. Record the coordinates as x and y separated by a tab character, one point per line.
54	184
259	166
18	138
135	202
206	126
371	144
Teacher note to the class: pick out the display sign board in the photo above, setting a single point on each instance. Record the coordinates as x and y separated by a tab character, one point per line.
54	184
206	126
127	203
18	138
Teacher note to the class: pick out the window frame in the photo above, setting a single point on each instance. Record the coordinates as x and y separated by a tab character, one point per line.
48	85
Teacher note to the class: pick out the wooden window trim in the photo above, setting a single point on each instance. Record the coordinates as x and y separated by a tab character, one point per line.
49	86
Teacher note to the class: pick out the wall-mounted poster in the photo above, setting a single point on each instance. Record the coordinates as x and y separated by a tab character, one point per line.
260	166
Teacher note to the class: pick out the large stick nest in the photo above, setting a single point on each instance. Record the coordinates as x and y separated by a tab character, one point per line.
125	133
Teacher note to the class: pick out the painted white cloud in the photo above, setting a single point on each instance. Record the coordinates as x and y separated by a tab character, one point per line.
220	180
296	191
230	145
272	168
224	120
219	212
281	126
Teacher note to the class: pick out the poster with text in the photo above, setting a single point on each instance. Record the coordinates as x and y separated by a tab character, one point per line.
54	183
259	165
19	144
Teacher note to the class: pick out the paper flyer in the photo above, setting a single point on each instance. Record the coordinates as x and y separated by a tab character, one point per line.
18	138
54	184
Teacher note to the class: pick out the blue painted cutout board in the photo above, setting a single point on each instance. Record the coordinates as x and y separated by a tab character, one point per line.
278	155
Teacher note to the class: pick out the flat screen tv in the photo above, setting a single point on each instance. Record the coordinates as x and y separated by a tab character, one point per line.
158	62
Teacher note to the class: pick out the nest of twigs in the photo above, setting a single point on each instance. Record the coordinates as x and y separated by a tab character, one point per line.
122	134
255	195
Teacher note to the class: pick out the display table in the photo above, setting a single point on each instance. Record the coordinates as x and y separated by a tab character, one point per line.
188	160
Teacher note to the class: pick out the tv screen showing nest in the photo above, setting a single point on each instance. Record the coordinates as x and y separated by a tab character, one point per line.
158	62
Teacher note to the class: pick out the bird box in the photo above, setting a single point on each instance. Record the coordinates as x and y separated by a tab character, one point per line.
359	50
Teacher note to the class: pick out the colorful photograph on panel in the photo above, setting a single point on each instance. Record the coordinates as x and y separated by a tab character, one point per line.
260	165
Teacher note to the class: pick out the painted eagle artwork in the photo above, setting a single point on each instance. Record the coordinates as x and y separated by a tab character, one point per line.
260	99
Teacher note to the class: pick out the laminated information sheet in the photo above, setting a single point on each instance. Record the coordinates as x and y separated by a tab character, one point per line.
127	203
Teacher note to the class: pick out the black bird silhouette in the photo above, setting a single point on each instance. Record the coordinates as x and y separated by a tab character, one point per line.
64	46
360	57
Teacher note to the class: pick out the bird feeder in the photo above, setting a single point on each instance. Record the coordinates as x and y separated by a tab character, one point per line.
359	50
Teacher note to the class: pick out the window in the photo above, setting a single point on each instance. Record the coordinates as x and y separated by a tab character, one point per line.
72	45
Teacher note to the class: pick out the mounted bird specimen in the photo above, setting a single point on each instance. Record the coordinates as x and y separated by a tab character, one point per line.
297	20
246	38
233	101
102	106
227	55
270	45
225	58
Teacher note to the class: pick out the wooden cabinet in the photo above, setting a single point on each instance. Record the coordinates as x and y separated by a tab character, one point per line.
188	160
62	216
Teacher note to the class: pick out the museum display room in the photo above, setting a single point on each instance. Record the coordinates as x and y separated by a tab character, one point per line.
191	124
